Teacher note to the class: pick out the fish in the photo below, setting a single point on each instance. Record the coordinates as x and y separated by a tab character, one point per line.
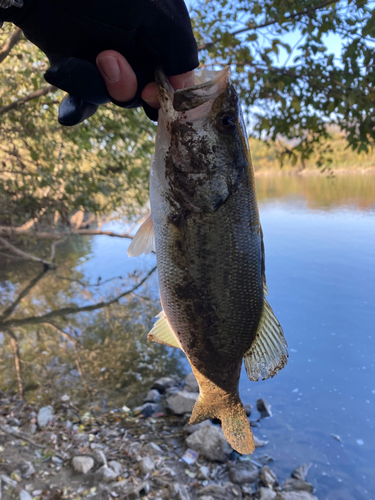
204	226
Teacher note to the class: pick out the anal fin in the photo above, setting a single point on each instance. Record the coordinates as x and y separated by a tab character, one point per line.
144	239
163	333
268	353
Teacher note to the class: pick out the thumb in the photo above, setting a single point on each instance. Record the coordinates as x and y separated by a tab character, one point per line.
118	75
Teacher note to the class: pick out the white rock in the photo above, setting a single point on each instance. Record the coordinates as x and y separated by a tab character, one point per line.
116	466
100	457
153	396
301	471
191	384
180	491
14	422
68	425
243	473
146	465
295	495
258	442
210	442
192	428
45	415
182	402
83	464
106	474
27	469
65	398
154	449
213	491
25	495
267	494
204	472
8	481
32	428
164	383
268	476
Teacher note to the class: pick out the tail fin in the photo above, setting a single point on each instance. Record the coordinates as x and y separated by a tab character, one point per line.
234	422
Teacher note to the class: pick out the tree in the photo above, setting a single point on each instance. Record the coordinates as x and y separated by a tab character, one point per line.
45	168
296	91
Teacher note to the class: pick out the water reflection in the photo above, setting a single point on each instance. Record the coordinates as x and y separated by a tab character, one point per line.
320	262
75	333
320	192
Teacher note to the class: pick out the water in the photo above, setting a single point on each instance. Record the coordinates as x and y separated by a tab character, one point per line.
320	264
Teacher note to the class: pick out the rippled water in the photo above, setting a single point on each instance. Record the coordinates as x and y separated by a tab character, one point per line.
320	263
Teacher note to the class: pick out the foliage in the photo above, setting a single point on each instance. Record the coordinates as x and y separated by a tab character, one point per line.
100	165
296	90
270	155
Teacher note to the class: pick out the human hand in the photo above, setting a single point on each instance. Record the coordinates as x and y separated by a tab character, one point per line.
72	34
121	81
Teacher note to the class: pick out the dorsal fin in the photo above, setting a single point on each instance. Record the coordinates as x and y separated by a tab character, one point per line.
144	239
268	353
163	333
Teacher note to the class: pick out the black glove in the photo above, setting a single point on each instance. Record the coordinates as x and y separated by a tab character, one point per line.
148	33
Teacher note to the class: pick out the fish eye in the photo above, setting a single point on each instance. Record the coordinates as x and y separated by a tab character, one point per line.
226	122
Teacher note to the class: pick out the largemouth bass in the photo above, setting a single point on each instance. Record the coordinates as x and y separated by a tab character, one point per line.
209	249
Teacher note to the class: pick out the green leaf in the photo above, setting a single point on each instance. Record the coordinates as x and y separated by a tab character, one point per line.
296	104
34	155
226	39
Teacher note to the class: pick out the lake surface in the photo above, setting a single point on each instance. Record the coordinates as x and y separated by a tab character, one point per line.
320	263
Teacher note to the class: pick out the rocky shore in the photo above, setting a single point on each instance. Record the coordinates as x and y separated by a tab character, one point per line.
149	452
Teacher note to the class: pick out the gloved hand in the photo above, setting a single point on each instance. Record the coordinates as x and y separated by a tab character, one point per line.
148	33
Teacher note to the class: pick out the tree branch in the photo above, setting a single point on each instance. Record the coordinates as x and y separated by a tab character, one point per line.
94	232
47	264
34	95
53	249
13	39
64	311
23	294
58	235
249	27
17	361
24	437
66	335
87	285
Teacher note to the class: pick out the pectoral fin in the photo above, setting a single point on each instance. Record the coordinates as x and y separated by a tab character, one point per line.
144	239
163	333
268	353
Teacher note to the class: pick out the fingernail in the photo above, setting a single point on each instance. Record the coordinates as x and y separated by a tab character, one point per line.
110	68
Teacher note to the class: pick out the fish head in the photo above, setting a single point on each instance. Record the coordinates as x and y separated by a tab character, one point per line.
201	144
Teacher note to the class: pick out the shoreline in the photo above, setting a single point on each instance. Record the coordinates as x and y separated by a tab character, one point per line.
306	172
151	452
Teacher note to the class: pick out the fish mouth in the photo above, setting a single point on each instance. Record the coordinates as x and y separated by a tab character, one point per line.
210	84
